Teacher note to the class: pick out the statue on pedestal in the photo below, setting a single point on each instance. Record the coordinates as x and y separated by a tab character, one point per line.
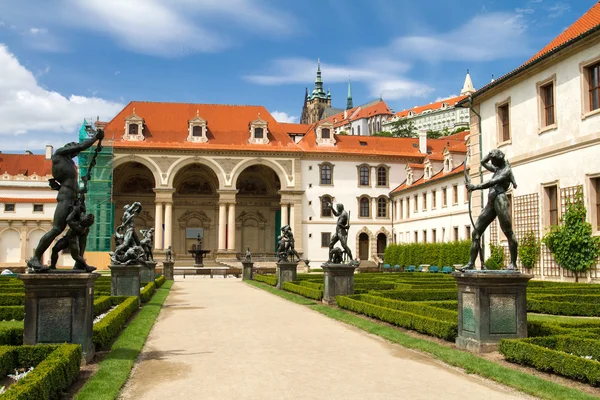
64	179
248	255
147	243
128	247
341	234
498	205
286	245
169	254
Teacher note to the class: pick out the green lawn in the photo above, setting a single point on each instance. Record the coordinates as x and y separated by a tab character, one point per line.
11	324
559	318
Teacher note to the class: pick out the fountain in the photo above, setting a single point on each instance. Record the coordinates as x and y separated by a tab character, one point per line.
198	253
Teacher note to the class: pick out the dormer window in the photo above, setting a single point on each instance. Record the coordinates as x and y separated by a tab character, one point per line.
134	126
259	134
324	134
197	129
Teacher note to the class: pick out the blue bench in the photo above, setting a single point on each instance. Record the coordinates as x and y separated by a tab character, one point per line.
447	270
419	269
411	268
396	268
434	269
386	267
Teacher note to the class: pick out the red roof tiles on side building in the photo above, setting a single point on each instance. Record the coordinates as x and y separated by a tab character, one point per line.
25	164
421	181
433	106
34	200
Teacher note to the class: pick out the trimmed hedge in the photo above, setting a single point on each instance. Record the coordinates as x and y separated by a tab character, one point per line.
101	305
268	279
539	305
312	285
410	306
419	295
430	326
446	253
147	292
9	313
109	327
159	281
52	374
12	299
551	354
303	290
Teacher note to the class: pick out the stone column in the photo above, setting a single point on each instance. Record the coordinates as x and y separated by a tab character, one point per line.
158	229
24	243
247	272
59	308
168	224
284	214
292	222
222	225
168	270
231	228
373	208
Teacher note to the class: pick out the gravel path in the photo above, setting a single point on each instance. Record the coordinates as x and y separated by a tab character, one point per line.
223	339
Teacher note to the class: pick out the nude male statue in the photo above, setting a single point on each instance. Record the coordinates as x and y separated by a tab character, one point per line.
341	229
64	180
497	206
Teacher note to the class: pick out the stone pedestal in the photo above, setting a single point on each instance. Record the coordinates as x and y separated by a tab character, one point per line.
247	274
147	272
286	272
59	308
338	280
125	280
168	270
492	305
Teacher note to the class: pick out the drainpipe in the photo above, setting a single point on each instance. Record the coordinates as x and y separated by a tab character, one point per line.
471	109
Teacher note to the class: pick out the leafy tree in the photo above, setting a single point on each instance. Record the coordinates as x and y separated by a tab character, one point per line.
496	259
529	250
403	127
383	134
342	133
461	129
572	244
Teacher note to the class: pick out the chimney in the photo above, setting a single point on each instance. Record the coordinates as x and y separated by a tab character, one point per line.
345	114
28	152
49	151
423	141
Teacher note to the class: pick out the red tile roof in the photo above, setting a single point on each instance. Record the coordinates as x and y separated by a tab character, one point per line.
418	166
433	106
586	24
421	181
359	112
587	21
295	129
25	164
27	200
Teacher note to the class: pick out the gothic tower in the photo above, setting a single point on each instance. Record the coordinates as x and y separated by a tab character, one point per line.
315	103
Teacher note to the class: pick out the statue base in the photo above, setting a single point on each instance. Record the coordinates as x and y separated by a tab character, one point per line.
338	280
286	272
125	280
198	265
148	272
247	273
59	308
492	305
168	270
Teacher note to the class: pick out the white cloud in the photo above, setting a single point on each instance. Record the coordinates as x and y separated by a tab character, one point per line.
281	116
558	9
33	112
445	97
36	31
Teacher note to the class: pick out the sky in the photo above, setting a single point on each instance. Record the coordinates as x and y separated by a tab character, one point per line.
65	60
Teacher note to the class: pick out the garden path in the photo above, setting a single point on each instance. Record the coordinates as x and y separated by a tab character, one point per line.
224	339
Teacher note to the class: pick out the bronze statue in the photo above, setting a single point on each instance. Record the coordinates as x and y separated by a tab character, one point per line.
341	230
128	247
497	206
64	179
169	254
147	243
248	255
286	245
76	237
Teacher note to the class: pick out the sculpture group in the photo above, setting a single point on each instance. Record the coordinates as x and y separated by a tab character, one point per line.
129	248
286	250
344	254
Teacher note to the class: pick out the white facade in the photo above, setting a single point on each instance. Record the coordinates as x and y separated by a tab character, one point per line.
549	157
436	117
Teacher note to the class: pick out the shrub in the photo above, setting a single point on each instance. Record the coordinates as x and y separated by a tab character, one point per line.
550	354
159	281
312	285
109	327
529	250
147	292
412	307
441	254
430	326
572	244
419	295
303	290
12	299
8	313
268	279
101	305
496	259
11	336
543	306
51	376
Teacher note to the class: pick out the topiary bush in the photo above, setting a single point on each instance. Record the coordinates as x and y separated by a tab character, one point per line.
571	243
441	254
496	259
529	250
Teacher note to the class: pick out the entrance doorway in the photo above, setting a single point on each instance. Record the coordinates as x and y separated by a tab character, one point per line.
363	246
381	243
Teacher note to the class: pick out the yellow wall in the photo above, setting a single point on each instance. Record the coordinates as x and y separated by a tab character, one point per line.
98	259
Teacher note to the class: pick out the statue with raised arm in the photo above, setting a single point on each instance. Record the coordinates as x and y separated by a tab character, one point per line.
286	245
497	206
76	237
147	243
64	179
128	246
341	230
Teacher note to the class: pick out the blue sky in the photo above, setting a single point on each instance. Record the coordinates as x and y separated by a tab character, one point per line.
63	60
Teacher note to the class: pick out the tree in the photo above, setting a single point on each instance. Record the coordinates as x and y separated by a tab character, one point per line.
529	250
571	242
496	260
383	134
403	127
342	133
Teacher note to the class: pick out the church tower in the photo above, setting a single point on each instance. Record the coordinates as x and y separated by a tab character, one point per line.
315	103
468	87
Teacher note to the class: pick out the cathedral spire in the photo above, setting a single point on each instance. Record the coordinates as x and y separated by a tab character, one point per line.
319	92
468	86
349	104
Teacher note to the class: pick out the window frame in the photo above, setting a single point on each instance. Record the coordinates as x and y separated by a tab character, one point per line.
547	204
456	234
444	197
323	236
386	170
38	211
321	199
455	194
385	207
360	169
416	203
433	199
6	206
328	164
585	68
503	124
541	88
367	201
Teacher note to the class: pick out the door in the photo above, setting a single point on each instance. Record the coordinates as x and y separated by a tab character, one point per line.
381	243
363	246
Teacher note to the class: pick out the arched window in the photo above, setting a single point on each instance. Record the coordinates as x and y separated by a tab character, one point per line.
326	206
326	174
364	175
364	207
196	130
358	130
133	129
382	176
258	133
382	207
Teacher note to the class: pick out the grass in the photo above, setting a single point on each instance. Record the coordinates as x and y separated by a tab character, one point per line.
281	293
114	370
471	363
558	319
11	324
